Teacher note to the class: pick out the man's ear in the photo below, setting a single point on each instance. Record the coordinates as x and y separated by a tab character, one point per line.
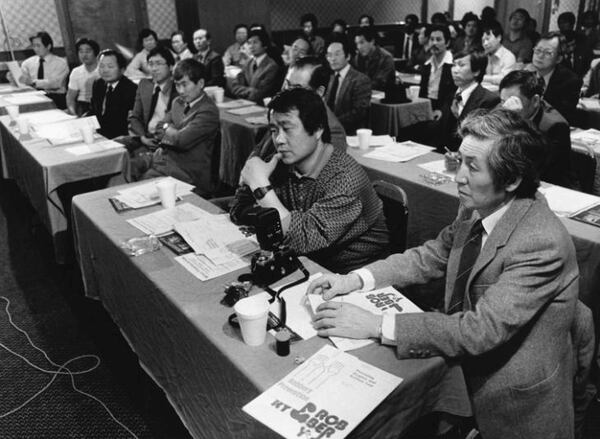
200	81
510	188
319	133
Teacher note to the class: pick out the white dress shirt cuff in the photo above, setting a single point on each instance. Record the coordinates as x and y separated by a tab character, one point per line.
388	329
366	277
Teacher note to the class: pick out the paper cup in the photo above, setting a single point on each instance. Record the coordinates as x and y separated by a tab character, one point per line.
23	124
252	313
88	134
218	95
364	137
166	192
13	111
414	92
266	101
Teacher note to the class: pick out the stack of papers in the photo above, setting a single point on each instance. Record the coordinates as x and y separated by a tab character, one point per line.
235	104
438	167
46	116
567	202
399	152
144	195
590	104
64	131
327	396
374	141
247	110
101	146
258	120
163	221
588	137
28	97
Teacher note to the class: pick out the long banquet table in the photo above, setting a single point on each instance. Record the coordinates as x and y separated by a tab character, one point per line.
177	327
40	169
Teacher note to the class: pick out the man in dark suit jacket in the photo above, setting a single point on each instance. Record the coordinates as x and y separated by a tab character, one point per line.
467	74
511	288
188	135
113	95
521	91
562	85
260	77
372	60
152	101
436	75
349	91
213	62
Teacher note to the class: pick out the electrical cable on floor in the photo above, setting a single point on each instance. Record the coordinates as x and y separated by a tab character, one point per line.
62	370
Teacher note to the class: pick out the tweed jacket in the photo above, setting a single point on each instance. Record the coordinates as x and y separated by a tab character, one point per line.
140	116
258	85
513	335
113	122
353	100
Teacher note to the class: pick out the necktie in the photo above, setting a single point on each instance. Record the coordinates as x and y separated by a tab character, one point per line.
186	110
254	66
333	91
455	105
153	102
40	74
407	41
542	83
468	257
107	99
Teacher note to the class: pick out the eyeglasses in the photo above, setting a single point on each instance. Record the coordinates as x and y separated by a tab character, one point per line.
156	64
544	52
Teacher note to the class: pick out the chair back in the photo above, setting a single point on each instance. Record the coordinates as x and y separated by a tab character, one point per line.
583	165
395	209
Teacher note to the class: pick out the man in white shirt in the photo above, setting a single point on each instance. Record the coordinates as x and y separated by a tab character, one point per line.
511	288
179	47
82	78
436	77
46	71
500	59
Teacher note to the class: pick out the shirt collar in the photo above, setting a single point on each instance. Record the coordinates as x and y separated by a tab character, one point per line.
448	59
195	101
344	72
466	93
113	84
548	76
324	157
165	87
260	58
490	221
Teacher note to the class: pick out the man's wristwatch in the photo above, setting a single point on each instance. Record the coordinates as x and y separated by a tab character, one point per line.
260	192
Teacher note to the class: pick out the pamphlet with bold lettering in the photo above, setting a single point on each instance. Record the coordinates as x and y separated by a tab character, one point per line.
327	396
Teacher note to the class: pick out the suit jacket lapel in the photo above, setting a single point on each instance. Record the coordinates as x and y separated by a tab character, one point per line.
343	87
472	102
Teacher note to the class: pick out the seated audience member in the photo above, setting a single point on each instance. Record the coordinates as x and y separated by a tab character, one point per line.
138	67
500	59
329	211
46	71
488	15
408	37
187	136
349	91
366	21
511	288
589	28
521	91
179	47
562	85
436	74
260	77
213	63
372	60
420	53
339	27
113	94
152	101
467	74
517	40
237	54
309	25
472	34
591	80
79	90
299	49
578	53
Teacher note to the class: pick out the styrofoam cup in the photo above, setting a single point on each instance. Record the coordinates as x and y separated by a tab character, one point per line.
13	111
23	124
166	192
88	134
364	137
218	94
414	92
252	313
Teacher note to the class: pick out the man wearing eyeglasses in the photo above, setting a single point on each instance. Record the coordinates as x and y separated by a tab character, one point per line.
562	86
152	101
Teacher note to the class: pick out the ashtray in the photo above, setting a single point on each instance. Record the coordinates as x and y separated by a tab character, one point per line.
435	179
141	245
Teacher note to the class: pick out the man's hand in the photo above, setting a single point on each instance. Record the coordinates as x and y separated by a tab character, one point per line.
346	320
159	132
149	142
331	285
437	115
513	103
256	171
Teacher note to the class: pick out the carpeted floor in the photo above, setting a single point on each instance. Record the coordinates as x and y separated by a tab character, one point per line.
47	301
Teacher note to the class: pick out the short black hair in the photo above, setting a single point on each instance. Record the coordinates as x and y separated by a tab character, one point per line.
262	35
310	107
366	32
121	61
469	16
44	37
438	28
191	68
145	33
438	16
164	52
567	16
178	32
478	60
411	17
239	26
494	27
528	83
368	17
81	41
309	17
562	41
339	22
519	149
343	41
